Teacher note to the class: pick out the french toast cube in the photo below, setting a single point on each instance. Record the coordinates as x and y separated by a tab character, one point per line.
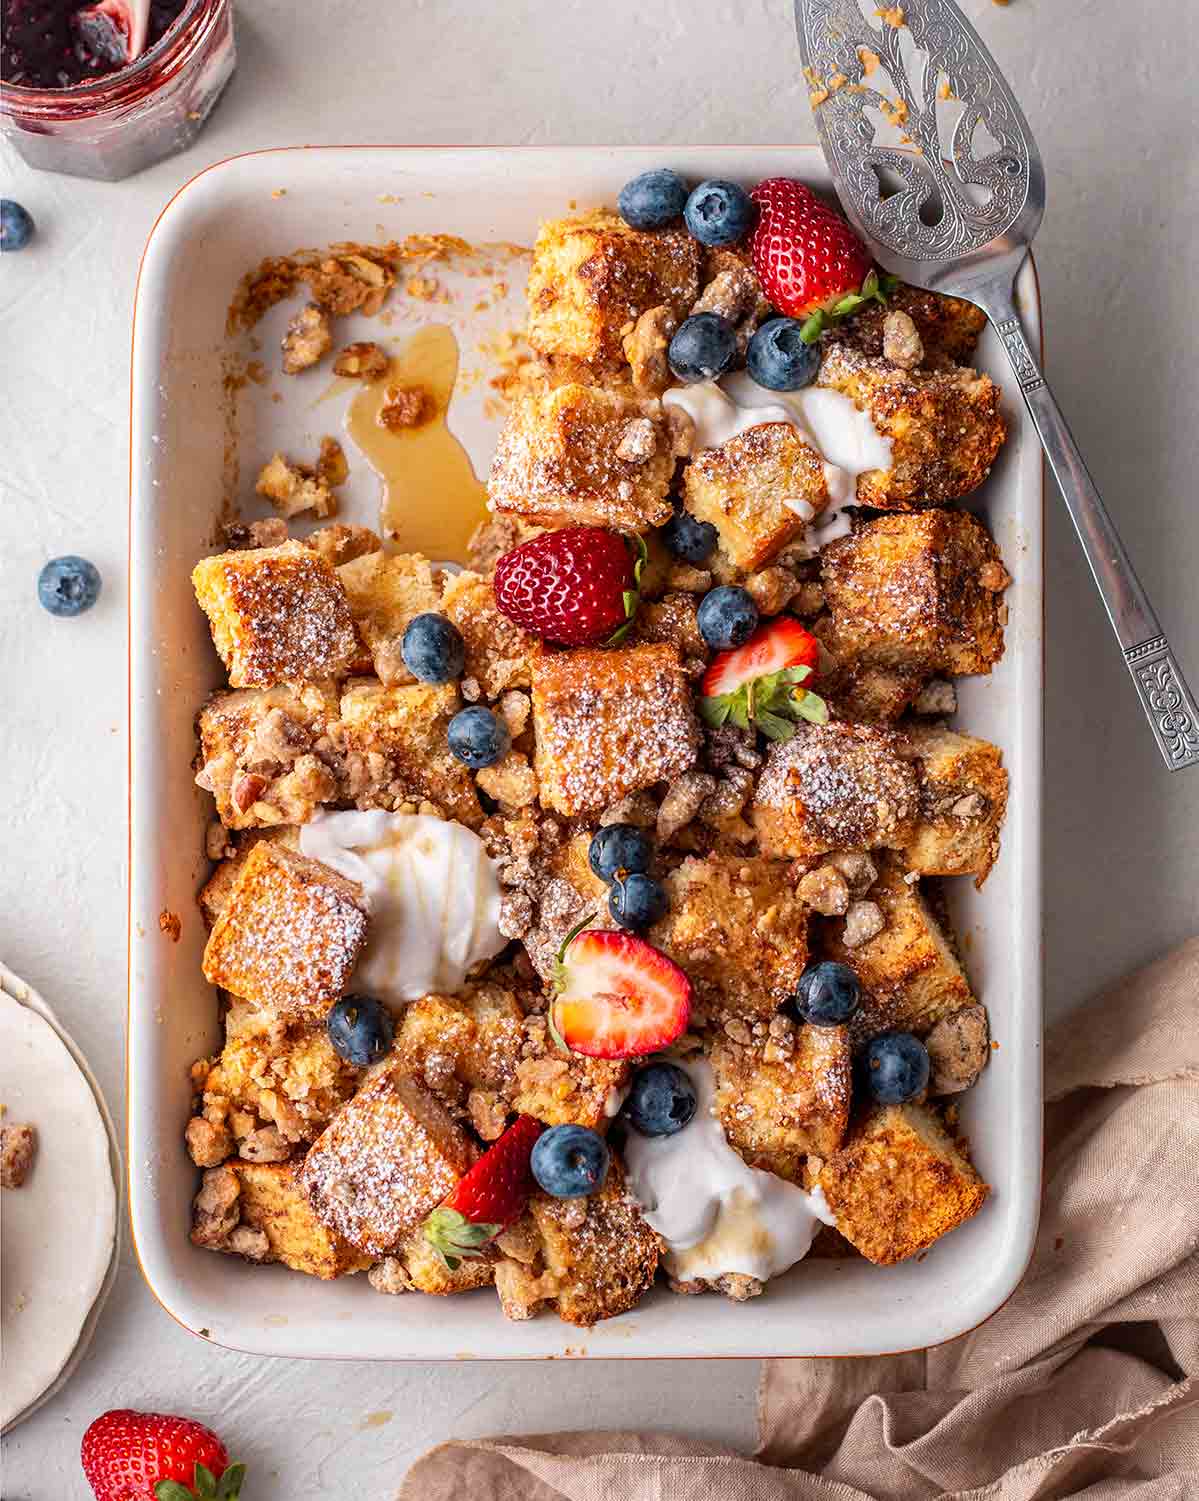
277	614
673	619
758	490
593	275
271	1201
963	797
572	1090
257	753
453	1044
407	725
870	692
385	591
290	935
949	327
595	1257
213	896
917	591
736	927
835	786
899	1183
910	975
607	723
582	456
385	1162
776	1105
945	427
499	654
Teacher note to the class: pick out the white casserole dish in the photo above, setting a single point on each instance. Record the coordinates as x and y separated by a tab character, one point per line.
220	225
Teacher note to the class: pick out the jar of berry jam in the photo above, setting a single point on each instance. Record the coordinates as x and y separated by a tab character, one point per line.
70	99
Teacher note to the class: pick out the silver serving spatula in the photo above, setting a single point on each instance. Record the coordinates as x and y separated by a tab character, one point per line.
935	165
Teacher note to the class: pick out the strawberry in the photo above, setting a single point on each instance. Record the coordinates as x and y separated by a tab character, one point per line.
576	587
808	259
491	1197
617	996
757	684
150	1456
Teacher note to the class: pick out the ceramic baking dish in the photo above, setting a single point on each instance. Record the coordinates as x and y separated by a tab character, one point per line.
187	433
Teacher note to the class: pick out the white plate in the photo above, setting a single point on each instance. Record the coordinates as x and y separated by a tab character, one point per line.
59	1228
270	203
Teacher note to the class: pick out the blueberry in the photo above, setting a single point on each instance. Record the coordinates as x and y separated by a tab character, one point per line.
689	539
653	199
779	359
719	212
569	1161
827	994
360	1029
432	648
727	617
637	901
619	847
703	348
16	225
895	1067
661	1100
68	586
477	737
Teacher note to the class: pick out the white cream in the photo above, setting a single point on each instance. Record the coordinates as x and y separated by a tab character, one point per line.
716	1213
432	892
845	437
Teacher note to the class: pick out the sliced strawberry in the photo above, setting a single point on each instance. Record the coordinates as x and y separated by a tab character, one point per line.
492	1196
758	685
808	259
618	996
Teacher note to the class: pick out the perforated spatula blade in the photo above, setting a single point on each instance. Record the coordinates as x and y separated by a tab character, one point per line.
936	167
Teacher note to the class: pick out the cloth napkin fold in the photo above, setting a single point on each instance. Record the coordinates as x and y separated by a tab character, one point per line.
1086	1382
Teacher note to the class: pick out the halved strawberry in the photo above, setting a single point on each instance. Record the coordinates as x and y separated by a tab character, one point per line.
492	1196
757	685
618	996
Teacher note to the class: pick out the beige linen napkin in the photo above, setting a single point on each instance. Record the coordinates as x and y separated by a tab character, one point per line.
1083	1385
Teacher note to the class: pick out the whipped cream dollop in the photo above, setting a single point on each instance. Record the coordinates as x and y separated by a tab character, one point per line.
845	437
715	1212
432	892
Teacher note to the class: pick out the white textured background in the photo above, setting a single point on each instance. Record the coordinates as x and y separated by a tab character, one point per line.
1111	93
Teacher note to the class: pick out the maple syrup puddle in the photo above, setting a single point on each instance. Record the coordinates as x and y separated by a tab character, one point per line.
432	500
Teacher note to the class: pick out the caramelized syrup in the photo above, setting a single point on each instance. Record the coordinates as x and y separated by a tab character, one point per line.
432	500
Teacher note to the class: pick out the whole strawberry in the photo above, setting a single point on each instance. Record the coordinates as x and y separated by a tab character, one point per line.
151	1456
809	261
492	1196
576	587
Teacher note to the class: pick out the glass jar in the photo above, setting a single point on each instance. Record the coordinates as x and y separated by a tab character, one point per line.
129	119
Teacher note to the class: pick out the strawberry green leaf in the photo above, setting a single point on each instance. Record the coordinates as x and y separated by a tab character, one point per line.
230	1483
812	707
455	1238
556	1037
205	1482
771	704
715	709
813	327
631	598
172	1490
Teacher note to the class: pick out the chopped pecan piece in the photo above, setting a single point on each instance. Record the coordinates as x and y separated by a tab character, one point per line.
308	339
362	361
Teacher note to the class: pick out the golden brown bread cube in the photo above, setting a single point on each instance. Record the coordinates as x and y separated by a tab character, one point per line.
457	1044
868	691
948	326
385	1162
758	490
213	896
499	654
591	1258
737	928
406	726
945	427
257	753
580	455
272	1073
919	592
277	614
674	620
593	275
783	1095
289	936
257	1210
608	723
899	1183
963	797
835	786
910	975
385	591
566	1089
